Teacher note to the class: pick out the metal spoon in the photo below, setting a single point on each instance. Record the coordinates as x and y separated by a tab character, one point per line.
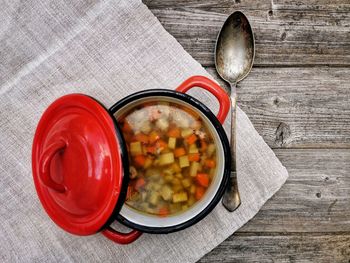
234	56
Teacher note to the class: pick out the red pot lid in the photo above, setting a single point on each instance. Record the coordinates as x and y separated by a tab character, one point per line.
77	164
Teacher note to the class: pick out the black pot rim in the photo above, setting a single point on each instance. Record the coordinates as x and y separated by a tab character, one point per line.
227	160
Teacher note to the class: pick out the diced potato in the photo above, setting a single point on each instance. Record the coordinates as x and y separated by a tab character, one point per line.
178	188
180	197
211	149
168	171
183	161
193	189
186	132
193	148
176	181
172	143
154	197
162	124
186	182
166	158
166	193
179	176
135	148
148	163
191	200
176	167
146	127
194	169
168	178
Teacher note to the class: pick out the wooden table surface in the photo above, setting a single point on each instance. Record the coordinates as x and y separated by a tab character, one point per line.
298	98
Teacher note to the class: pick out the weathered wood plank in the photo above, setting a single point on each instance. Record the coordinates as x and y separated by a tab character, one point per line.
315	198
298	107
287	32
282	248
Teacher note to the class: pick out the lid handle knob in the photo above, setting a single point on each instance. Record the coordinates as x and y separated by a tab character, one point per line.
45	162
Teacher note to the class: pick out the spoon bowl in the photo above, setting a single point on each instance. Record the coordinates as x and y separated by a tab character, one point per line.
234	57
234	51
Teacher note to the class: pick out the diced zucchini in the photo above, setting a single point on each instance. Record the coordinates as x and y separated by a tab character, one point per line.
180	197
166	158
186	132
135	148
194	169
186	182
172	143
193	148
153	198
211	149
183	161
166	193
162	124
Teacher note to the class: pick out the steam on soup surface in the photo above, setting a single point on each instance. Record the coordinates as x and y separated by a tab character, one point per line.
172	157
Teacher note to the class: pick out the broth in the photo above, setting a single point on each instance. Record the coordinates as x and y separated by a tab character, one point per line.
172	157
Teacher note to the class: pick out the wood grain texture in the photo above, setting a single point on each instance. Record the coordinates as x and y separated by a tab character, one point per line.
315	198
298	98
297	107
287	32
282	248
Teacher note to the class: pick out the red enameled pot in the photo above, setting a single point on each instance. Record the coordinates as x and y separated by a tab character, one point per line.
81	170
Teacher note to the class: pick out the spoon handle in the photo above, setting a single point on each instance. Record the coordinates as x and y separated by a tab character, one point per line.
231	199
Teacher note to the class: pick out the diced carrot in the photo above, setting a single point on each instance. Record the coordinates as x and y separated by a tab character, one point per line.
193	157
163	211
191	139
179	152
161	145
174	132
126	127
210	163
151	149
139	160
140	183
127	137
129	192
153	137
203	179
199	192
204	146
142	138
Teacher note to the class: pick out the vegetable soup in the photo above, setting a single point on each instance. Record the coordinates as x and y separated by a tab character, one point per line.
172	157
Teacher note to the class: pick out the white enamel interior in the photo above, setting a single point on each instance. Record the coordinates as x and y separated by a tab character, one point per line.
149	220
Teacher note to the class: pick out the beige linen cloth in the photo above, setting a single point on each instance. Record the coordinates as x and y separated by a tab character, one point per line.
106	49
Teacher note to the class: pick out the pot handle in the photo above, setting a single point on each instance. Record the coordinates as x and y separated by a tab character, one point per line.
121	238
44	165
213	88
